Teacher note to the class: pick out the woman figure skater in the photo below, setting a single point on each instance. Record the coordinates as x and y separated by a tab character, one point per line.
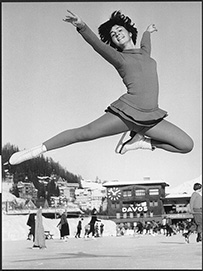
136	111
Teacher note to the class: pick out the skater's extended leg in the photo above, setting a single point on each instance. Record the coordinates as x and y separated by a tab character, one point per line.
106	125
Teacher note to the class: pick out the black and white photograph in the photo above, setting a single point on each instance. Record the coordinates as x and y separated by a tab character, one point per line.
101	154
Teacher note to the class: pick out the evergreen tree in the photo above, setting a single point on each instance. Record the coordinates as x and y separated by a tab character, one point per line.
52	190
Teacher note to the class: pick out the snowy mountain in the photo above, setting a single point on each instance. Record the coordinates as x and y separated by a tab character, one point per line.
184	188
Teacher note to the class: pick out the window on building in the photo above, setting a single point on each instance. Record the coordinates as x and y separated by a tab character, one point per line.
124	215
154	191
131	215
140	192
153	203
151	214
118	215
115	205
127	193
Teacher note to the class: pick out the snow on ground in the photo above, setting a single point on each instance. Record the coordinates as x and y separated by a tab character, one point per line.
14	227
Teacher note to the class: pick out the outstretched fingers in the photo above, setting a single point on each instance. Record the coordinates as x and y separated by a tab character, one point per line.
69	19
73	18
71	12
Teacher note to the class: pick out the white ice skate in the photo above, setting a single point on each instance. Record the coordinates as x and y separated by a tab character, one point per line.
137	142
22	156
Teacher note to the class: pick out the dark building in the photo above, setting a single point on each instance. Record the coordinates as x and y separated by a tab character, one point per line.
176	206
129	202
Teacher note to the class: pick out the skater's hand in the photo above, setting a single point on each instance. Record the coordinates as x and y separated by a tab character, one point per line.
74	19
151	28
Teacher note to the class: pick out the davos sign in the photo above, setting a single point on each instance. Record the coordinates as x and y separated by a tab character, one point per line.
142	207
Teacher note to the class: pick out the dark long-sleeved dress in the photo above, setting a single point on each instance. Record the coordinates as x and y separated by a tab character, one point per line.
31	224
139	74
92	222
64	226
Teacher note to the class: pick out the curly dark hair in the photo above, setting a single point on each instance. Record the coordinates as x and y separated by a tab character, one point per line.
197	186
117	18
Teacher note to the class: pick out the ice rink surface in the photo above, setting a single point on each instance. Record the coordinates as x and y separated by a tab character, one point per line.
108	252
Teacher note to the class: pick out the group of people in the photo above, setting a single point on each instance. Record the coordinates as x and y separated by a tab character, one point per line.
36	230
140	227
97	232
93	223
157	227
91	228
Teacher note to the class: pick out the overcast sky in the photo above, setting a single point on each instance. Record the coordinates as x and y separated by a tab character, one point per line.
53	81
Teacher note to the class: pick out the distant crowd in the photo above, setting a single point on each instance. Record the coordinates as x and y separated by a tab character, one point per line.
94	228
165	227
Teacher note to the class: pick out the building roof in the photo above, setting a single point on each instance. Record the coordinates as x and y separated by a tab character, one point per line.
143	182
91	185
176	195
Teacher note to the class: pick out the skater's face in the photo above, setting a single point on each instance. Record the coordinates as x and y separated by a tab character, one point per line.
120	36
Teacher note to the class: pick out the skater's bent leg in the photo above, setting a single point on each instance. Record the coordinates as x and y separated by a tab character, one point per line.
106	125
169	137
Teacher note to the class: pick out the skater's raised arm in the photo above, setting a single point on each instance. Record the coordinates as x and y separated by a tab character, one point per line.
107	52
146	39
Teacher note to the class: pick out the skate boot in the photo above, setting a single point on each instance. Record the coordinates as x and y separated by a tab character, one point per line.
137	142
22	156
